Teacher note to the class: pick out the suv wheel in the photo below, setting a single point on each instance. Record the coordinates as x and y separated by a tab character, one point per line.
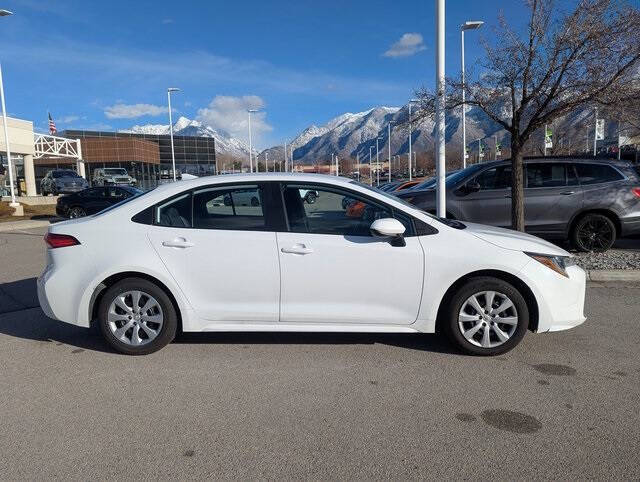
137	317
77	212
593	232
311	197
487	316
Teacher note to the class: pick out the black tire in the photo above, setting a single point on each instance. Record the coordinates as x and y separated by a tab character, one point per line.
311	197
477	285
169	325
593	232
255	202
77	212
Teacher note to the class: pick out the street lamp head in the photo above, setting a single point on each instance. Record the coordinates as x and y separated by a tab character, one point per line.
471	25
5	13
173	89
252	111
414	101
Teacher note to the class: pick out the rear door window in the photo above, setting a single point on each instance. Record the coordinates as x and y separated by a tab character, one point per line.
175	213
546	175
238	208
597	173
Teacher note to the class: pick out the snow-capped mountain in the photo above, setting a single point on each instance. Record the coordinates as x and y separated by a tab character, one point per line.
225	144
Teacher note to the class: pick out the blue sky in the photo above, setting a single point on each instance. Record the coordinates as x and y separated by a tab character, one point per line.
106	65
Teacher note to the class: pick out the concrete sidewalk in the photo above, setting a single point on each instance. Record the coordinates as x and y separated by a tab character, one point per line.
25	224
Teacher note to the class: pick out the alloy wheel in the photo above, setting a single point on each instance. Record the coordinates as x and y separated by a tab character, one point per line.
488	319
135	318
595	234
77	213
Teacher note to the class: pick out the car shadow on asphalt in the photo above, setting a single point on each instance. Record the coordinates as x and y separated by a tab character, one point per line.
21	317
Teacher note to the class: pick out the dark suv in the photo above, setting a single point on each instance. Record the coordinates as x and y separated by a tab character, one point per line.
591	202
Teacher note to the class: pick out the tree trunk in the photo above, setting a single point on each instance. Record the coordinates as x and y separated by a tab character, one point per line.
517	185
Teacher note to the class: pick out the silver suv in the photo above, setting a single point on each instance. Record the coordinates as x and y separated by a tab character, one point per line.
590	202
113	176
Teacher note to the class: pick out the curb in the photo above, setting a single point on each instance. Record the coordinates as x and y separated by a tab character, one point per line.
613	275
25	224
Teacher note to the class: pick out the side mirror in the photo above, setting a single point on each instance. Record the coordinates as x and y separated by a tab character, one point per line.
389	228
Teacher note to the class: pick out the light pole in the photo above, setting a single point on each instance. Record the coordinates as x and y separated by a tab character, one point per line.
412	101
471	25
266	161
249	112
285	156
370	170
377	161
14	204
173	153
389	140
358	164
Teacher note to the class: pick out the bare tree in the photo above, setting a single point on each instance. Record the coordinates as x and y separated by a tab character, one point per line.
562	61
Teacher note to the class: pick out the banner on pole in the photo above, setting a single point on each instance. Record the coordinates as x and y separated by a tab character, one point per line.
498	149
548	138
466	152
599	129
481	152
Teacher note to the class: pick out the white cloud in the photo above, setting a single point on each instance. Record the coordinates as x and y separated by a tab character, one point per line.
409	44
229	114
130	111
68	118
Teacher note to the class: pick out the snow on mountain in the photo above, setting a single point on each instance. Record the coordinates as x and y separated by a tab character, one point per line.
225	144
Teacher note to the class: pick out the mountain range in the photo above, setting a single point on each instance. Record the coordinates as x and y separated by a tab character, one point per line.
353	135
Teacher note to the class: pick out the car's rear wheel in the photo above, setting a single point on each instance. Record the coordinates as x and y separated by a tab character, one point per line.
486	316
593	232
137	317
311	197
77	212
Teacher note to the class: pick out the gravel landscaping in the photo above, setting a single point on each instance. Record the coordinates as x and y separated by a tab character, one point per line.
612	259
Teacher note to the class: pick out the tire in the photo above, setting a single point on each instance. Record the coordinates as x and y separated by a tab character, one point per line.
461	315
77	212
311	197
160	318
255	202
593	232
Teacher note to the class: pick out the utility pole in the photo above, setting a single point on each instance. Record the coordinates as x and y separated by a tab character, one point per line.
441	202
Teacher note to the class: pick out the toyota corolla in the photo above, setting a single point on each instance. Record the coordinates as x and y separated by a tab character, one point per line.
193	256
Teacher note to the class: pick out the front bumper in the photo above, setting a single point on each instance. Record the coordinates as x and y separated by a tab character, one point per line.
560	300
70	189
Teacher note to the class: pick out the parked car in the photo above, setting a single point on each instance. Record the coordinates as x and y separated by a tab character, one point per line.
173	259
587	201
93	200
62	181
406	185
113	176
166	175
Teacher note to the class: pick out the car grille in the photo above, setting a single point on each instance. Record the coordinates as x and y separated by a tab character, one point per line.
121	179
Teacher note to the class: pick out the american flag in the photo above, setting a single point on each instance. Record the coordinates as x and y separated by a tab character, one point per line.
52	125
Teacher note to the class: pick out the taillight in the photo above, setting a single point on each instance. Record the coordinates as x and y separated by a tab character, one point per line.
636	191
60	240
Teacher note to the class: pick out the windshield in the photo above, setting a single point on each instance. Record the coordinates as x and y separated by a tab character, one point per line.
58	174
463	174
115	171
385	194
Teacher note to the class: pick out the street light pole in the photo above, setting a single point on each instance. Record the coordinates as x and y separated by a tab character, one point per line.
249	112
266	161
6	142
173	153
471	25
285	156
370	171
441	206
389	141
377	162
412	101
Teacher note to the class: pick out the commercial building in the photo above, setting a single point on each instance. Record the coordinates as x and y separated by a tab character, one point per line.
22	152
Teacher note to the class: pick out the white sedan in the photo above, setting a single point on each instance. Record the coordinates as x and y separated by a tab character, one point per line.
180	258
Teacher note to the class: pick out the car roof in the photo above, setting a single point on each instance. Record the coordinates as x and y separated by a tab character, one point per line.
551	159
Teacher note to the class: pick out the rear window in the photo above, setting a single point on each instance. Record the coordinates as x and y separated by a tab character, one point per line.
549	175
597	173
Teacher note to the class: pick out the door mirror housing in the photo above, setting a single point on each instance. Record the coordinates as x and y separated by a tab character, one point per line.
387	228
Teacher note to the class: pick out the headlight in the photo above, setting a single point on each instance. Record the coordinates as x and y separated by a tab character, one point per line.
559	264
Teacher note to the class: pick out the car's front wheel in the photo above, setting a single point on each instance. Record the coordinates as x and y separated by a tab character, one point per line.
137	317
311	198
486	316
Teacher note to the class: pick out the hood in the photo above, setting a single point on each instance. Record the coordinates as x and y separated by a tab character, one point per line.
514	240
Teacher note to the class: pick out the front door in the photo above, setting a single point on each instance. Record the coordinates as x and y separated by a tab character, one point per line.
334	271
221	252
491	204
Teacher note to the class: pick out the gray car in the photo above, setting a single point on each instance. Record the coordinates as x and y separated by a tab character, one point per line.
62	181
590	202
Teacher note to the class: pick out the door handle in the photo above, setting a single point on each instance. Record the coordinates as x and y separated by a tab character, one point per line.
297	249
567	193
177	243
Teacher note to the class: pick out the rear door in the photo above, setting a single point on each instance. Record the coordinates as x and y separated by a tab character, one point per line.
221	251
552	196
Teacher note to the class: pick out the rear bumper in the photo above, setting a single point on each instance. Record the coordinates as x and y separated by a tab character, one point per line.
630	226
560	300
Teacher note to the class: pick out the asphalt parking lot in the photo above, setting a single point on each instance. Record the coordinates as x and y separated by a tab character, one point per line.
323	406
